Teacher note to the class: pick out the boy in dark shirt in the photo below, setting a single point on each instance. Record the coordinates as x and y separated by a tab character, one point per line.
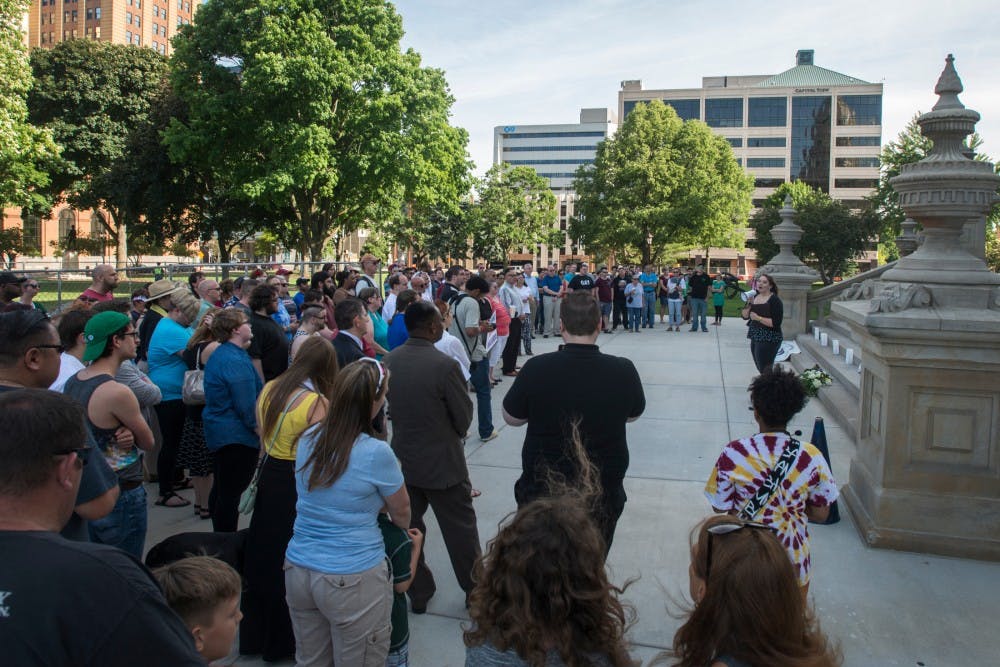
402	548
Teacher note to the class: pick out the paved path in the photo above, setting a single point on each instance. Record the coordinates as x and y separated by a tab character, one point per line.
883	607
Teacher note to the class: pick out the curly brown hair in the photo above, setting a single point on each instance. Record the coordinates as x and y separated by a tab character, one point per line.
752	608
542	584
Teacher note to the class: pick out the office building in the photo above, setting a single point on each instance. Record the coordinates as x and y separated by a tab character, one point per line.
807	124
555	152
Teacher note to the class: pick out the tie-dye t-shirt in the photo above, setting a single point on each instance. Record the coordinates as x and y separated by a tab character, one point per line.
744	465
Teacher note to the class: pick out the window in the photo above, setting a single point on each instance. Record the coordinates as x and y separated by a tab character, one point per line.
97	32
97	13
75	14
766	142
137	40
735	142
767	112
767	182
866	162
67	221
765	162
90	14
137	21
739	161
545	135
128	18
549	161
32	233
549	148
859	110
73	33
66	16
866	183
686	109
724	112
811	127
128	36
138	4
859	141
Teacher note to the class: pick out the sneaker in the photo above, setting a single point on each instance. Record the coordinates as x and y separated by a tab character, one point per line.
704	330
545	335
695	329
492	436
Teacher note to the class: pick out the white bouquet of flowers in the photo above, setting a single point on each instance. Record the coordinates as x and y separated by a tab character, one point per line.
813	379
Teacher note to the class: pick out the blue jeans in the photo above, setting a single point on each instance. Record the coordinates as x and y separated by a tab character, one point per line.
479	375
634	318
698	309
125	526
649	308
675	311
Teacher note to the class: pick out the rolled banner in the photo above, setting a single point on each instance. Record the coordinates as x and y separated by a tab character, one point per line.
819	441
836	347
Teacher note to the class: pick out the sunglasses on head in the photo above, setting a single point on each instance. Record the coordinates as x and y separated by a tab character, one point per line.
725	529
381	372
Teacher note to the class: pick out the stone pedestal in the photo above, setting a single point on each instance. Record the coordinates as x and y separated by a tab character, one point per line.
793	278
927	473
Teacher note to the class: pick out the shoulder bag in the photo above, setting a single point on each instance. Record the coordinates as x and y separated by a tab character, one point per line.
767	489
193	388
249	496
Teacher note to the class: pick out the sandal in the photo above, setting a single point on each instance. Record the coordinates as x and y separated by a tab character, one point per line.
197	508
183	484
476	493
164	501
204	513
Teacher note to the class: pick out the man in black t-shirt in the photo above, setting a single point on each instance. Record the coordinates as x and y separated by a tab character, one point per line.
110	610
269	347
555	390
583	282
698	285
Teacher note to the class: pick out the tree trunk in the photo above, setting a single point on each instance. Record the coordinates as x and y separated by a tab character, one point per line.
121	252
225	257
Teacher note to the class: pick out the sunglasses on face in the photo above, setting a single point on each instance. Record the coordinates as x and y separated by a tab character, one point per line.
725	529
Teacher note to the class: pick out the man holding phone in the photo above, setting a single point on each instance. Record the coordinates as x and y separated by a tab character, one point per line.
470	327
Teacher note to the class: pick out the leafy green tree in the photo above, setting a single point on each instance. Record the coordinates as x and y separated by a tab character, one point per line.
11	245
660	181
832	234
27	153
431	233
310	106
516	208
93	96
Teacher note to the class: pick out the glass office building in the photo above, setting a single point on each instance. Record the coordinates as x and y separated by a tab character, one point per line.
806	124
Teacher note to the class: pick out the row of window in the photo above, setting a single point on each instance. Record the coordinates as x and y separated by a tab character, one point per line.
549	162
865	183
765	162
183	5
757	142
859	141
134	3
545	174
93	13
131	19
857	162
549	135
160	48
133	38
767	182
548	148
769	111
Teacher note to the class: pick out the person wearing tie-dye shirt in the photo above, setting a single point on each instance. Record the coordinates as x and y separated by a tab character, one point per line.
806	492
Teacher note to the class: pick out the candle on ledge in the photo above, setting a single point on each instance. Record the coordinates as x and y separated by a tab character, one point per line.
836	347
849	356
816	333
823	339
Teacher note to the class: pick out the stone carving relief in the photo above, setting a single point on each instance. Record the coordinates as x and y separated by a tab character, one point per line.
900	296
858	291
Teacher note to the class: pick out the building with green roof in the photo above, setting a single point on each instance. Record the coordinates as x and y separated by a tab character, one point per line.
807	123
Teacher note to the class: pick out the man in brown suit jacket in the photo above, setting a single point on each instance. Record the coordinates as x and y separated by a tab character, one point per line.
431	412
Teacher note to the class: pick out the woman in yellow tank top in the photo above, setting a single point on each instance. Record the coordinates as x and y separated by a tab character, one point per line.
288	405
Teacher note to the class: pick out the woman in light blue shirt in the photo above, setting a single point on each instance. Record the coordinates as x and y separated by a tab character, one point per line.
337	583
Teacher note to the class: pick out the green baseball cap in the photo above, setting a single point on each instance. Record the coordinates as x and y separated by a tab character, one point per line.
98	329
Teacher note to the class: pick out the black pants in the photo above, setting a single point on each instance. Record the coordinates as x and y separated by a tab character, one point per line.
512	345
619	314
266	627
234	468
763	353
171	416
718	313
457	520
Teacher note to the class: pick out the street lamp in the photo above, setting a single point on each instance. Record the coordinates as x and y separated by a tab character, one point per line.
649	247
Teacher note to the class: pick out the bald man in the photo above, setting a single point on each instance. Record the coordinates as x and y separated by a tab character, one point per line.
103	284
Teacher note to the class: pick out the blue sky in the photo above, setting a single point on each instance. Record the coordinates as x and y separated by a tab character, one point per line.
521	62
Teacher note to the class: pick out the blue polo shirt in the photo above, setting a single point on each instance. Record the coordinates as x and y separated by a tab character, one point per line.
554	283
648	278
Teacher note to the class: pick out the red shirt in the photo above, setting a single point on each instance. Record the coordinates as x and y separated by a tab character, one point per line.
96	296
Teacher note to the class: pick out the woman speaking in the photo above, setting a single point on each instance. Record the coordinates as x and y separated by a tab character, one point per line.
764	312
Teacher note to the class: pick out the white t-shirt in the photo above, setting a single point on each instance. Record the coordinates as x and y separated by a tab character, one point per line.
525	293
453	348
68	367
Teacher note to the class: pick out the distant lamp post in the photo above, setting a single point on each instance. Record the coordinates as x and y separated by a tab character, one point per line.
649	247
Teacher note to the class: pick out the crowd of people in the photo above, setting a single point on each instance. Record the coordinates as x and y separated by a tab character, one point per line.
336	417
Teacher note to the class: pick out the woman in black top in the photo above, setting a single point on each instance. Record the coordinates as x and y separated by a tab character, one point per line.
764	312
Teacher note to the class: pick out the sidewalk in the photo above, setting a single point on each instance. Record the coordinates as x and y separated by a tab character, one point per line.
883	607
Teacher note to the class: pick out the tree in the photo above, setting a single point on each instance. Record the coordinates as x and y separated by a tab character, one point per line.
659	181
431	233
11	245
93	96
310	106
832	234
515	208
27	153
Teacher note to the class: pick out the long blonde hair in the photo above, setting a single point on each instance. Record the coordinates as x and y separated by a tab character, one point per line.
356	388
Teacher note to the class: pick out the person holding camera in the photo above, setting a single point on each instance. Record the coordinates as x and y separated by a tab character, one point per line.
633	300
764	312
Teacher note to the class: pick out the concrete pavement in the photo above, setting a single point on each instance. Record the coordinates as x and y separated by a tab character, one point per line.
882	607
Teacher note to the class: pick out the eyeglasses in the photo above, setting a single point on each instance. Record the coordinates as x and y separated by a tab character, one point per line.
82	453
381	372
60	348
34	285
725	529
130	333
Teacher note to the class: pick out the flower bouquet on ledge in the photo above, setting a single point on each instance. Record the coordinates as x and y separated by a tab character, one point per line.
813	379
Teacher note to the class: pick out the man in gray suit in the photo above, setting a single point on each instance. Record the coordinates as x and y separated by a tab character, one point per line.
431	412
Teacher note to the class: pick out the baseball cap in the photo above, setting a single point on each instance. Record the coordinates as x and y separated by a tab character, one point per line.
99	328
9	278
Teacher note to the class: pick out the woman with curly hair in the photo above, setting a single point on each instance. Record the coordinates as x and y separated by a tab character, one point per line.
542	595
748	611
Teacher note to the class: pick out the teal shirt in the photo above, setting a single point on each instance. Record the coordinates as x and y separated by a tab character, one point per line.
380	330
718	298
